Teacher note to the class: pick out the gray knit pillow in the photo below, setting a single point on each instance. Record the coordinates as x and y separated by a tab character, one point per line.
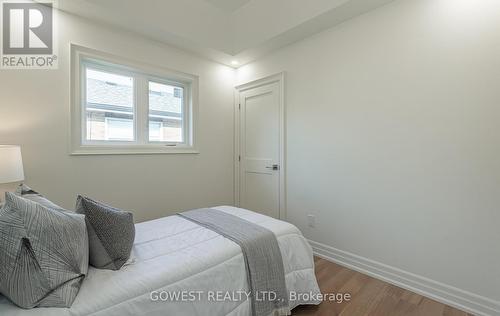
30	194
111	233
44	254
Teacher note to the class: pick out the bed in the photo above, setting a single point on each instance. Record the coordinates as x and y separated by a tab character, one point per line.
174	255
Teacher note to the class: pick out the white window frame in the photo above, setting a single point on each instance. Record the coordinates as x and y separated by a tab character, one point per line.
82	57
185	109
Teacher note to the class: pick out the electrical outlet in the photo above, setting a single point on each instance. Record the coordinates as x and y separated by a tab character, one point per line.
311	220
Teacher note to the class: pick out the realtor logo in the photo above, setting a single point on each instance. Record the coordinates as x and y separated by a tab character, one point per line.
28	35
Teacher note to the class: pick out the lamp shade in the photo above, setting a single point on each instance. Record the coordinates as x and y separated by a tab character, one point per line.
11	164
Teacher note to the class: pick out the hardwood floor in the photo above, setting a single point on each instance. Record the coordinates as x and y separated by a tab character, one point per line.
369	296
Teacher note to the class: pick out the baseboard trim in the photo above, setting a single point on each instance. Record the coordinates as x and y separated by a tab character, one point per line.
449	295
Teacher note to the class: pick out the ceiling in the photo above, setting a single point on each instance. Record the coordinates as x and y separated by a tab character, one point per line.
222	30
228	5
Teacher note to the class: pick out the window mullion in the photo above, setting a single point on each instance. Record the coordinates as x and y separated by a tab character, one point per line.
142	109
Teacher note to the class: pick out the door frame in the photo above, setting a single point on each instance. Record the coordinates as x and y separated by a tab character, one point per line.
280	79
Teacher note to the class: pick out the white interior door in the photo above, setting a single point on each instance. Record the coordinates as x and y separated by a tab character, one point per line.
260	149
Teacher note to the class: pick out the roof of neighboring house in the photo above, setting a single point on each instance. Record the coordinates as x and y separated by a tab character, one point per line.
121	96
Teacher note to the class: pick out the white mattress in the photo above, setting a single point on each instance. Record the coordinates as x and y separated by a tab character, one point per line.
174	254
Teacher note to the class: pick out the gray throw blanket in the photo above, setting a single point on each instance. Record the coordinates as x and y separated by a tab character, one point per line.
264	265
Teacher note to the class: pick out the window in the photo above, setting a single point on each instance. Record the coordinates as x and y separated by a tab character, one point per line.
165	113
109	106
125	108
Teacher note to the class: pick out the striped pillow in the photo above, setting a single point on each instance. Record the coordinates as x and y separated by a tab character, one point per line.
30	194
44	254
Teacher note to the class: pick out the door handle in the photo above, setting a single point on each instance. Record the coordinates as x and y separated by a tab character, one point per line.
273	167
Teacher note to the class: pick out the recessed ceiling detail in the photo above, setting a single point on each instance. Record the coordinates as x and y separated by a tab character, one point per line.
222	30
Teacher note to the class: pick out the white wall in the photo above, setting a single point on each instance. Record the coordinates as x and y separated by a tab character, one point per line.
34	113
394	138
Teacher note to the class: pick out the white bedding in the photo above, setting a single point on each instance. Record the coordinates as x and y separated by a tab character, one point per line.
173	254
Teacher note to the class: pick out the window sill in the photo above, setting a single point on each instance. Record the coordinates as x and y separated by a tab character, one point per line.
92	151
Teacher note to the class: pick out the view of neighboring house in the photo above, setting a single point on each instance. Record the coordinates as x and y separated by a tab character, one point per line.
110	109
